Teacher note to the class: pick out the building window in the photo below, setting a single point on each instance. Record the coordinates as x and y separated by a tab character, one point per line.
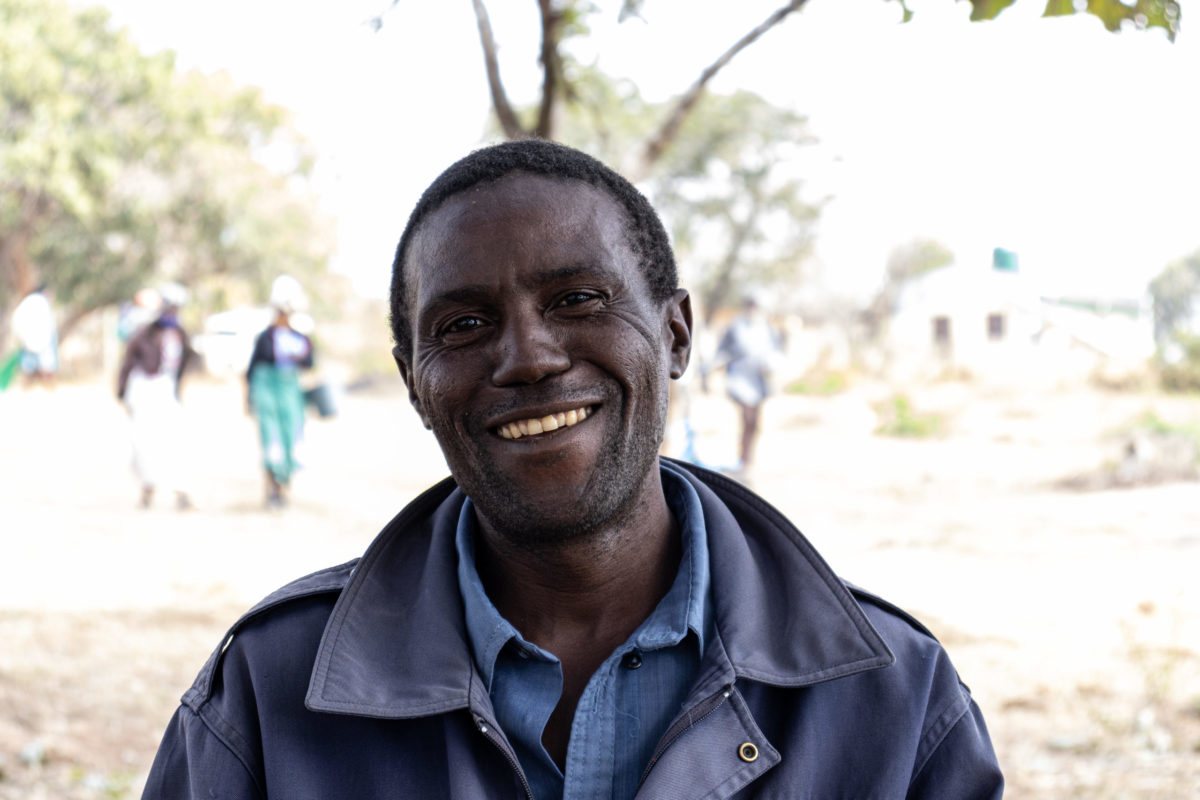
941	330
995	326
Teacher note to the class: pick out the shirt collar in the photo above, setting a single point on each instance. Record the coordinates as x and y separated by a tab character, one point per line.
686	606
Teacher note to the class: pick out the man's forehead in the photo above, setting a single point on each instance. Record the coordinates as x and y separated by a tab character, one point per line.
516	188
471	220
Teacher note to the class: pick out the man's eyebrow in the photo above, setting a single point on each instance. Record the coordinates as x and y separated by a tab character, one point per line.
473	293
569	272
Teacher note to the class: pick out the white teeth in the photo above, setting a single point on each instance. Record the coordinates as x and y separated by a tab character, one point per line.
550	422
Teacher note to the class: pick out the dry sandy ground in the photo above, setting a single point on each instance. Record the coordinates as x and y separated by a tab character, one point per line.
1075	617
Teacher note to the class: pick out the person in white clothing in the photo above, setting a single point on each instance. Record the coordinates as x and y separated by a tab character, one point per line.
149	384
36	332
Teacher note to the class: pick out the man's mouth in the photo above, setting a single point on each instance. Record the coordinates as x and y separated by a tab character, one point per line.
551	422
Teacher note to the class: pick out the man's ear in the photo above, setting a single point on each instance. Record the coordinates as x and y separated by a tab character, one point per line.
402	364
678	322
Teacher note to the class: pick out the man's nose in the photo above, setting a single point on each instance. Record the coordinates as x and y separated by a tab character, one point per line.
528	351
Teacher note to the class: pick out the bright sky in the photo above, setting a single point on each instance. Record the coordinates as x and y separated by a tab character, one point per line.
1075	147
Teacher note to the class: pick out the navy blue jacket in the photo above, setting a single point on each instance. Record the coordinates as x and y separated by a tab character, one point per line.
358	682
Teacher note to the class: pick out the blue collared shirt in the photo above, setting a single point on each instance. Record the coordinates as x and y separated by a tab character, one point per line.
631	699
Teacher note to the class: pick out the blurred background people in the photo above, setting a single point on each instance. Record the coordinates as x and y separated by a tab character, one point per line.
143	309
747	352
148	382
274	394
36	332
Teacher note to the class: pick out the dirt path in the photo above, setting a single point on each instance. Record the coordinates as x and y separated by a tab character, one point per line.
1075	617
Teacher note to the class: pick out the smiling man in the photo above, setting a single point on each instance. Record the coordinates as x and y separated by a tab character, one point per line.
568	615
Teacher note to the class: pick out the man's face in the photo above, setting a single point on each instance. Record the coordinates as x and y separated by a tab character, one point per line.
539	360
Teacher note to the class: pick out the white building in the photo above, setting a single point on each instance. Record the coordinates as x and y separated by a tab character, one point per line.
993	324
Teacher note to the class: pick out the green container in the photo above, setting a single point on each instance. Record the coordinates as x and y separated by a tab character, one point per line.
321	398
1005	260
8	368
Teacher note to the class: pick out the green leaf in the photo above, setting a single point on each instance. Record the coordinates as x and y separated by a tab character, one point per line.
1114	14
988	9
908	14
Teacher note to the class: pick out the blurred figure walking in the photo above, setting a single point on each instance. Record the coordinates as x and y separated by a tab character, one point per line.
148	382
138	313
273	388
748	351
36	331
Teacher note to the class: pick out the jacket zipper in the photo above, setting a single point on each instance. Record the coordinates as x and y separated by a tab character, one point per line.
693	717
487	730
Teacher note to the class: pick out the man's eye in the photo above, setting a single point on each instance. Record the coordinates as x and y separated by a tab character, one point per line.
576	298
463	325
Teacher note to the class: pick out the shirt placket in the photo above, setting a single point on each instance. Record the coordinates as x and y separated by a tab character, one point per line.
591	757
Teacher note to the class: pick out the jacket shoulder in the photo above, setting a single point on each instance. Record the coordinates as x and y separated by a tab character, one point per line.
329	581
873	602
919	654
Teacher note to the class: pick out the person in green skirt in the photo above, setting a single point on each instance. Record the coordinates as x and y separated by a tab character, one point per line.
274	395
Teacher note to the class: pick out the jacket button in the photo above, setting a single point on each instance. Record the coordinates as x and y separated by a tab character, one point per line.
632	660
747	752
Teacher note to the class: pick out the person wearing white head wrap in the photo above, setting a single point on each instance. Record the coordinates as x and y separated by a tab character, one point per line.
273	388
287	295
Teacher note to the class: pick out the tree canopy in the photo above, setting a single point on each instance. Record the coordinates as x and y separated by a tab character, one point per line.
117	170
1175	295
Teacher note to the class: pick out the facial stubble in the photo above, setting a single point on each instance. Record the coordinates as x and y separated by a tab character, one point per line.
610	496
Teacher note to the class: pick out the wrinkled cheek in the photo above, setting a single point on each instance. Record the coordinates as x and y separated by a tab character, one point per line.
451	438
655	388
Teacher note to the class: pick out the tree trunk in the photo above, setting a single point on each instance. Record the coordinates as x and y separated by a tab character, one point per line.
21	275
504	110
551	68
718	293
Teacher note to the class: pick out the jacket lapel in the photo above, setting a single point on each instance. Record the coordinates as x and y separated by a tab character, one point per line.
395	645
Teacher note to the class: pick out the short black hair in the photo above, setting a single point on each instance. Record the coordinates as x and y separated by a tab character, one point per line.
647	236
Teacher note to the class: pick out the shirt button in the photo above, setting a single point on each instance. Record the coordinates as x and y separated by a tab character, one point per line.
632	660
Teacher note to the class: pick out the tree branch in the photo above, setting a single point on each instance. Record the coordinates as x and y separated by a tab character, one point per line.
657	144
504	110
551	67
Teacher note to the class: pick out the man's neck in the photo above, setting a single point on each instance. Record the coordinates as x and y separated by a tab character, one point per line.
596	587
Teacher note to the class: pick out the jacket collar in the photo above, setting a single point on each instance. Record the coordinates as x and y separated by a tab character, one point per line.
782	616
395	644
